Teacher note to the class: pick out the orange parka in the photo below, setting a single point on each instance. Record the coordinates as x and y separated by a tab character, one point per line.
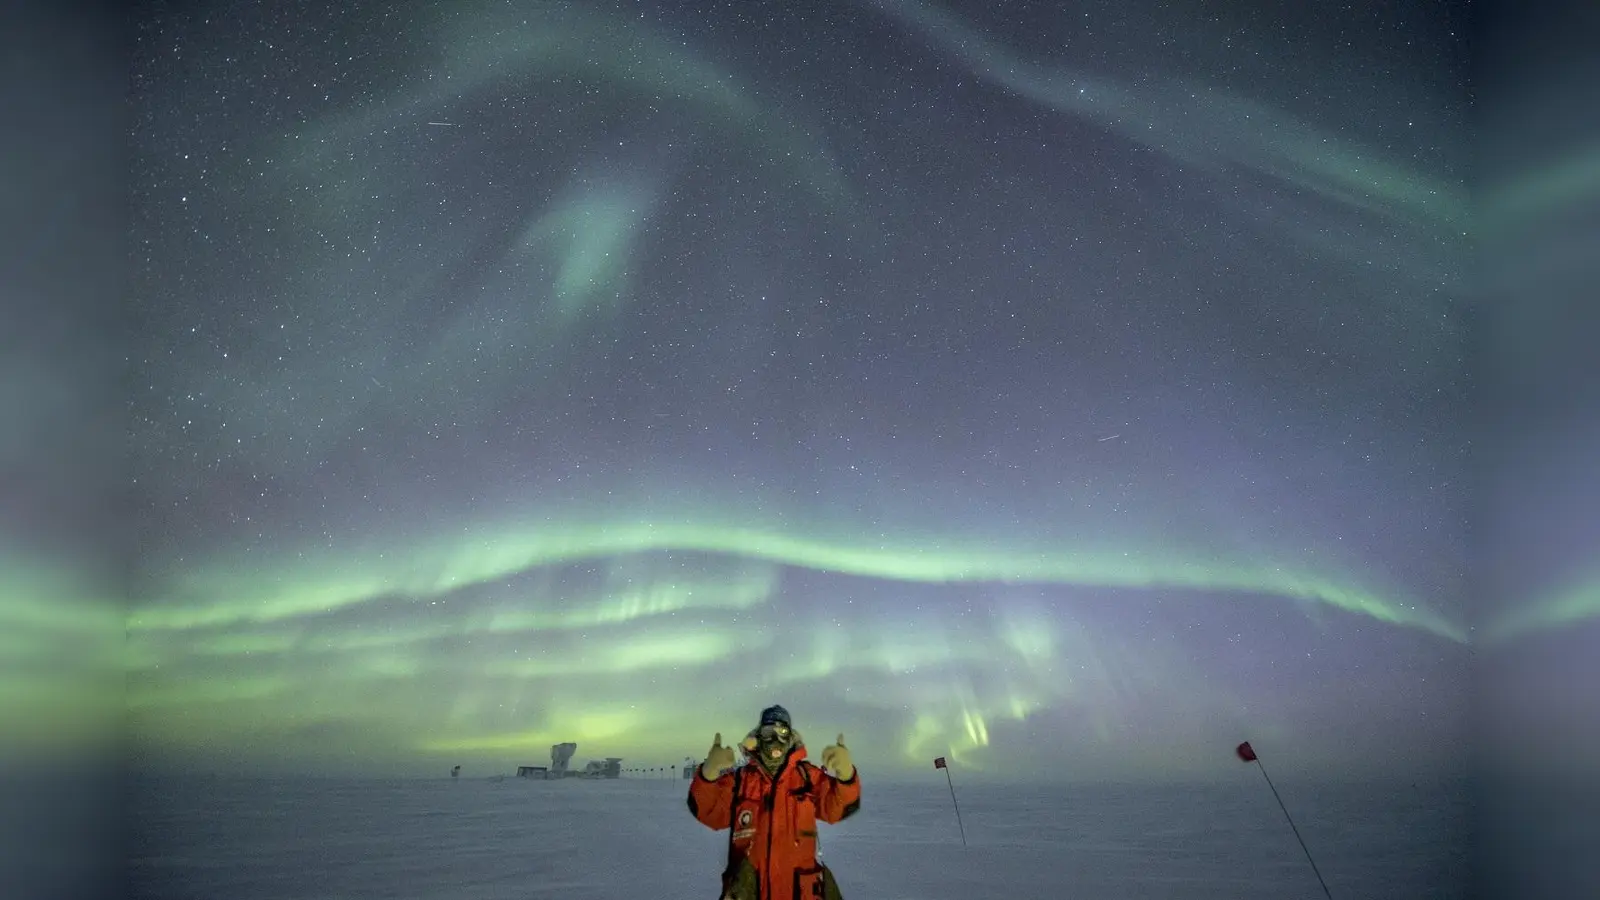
773	823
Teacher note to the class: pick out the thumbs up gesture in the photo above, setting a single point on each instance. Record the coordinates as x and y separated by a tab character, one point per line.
718	758
836	758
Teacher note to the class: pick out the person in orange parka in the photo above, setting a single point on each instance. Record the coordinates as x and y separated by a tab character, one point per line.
771	806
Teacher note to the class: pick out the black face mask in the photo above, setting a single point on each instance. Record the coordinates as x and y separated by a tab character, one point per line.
773	741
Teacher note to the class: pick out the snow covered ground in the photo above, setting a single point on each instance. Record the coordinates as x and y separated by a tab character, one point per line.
475	839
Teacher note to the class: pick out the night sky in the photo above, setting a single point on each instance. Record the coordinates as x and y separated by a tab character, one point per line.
1065	387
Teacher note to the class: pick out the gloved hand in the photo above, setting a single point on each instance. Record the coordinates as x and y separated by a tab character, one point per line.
717	759
836	758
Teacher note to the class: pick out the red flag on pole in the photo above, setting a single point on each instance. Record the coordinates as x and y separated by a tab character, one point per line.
938	763
1248	754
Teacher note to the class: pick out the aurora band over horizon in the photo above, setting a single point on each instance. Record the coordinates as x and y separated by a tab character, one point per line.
283	636
673	600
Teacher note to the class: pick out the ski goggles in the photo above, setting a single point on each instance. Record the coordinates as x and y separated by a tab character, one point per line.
775	731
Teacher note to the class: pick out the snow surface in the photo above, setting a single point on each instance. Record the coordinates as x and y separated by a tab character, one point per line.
474	839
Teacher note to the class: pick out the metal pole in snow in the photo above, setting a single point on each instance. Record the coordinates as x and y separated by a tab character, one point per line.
953	802
1248	754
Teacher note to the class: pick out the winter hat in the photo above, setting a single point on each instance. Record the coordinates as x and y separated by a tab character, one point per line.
776	715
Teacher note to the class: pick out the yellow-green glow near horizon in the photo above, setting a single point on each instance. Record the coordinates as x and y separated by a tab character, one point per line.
951	717
582	650
60	665
658	622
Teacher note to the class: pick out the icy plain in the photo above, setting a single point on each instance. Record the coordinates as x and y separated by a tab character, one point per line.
474	838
